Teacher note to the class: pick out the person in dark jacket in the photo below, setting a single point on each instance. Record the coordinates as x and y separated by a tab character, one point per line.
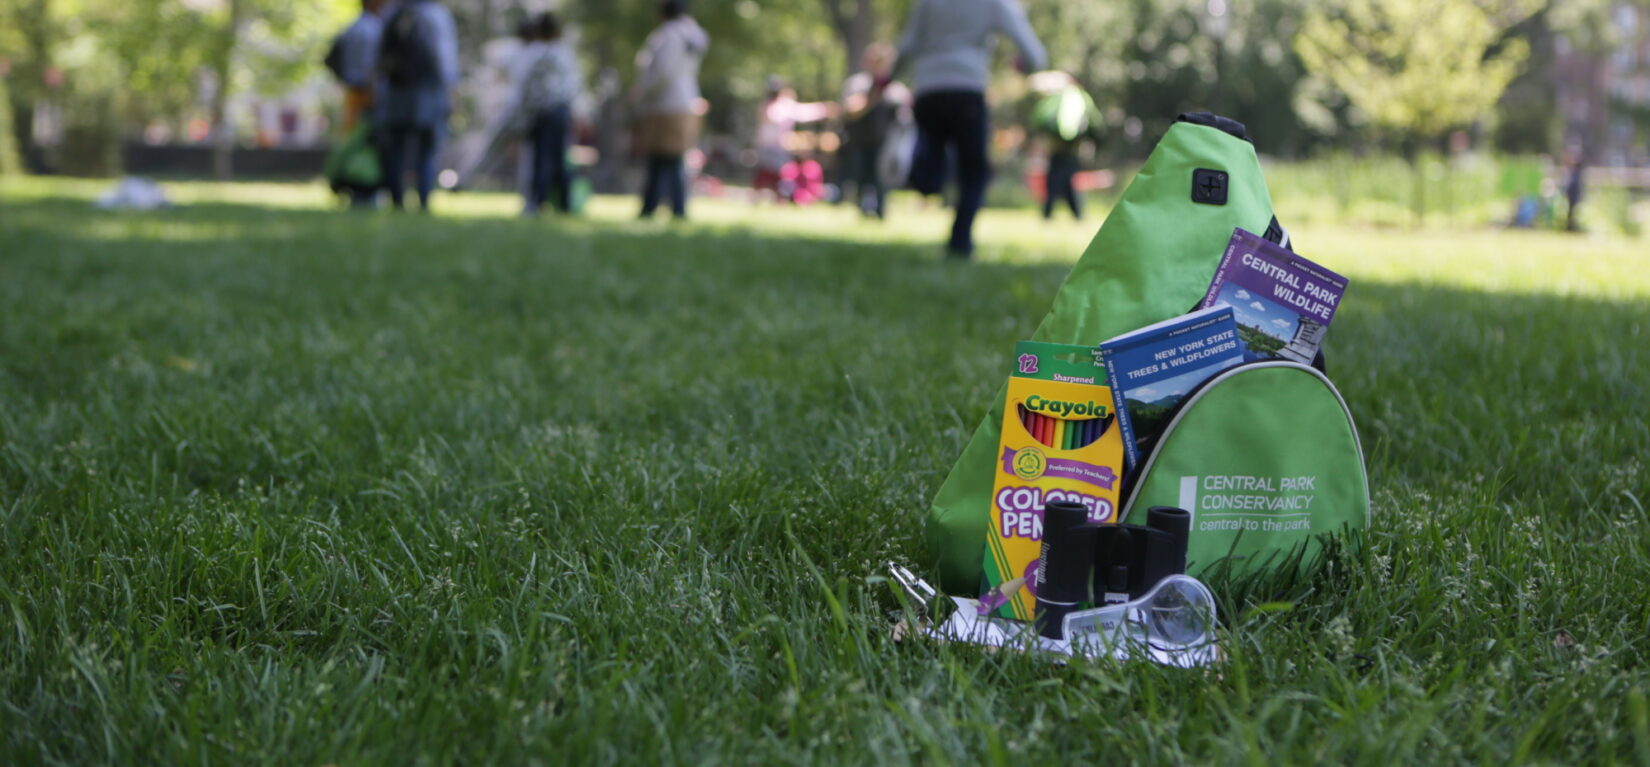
417	67
1575	186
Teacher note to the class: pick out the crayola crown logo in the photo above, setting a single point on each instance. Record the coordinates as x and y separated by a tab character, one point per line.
1038	404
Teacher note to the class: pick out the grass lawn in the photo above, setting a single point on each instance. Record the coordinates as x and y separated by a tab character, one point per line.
286	485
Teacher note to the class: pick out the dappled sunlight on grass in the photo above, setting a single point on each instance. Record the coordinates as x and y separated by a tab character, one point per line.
1479	258
1487	259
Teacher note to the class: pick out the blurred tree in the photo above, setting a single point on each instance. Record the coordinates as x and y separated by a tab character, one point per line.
109	65
855	22
61	81
1416	67
10	163
221	48
1528	118
149	41
1146	61
749	41
264	45
26	35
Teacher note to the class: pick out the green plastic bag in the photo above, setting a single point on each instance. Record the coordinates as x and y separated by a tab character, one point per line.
1151	260
579	189
1266	458
353	163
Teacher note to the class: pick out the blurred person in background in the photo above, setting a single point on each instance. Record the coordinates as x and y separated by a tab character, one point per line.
418	67
776	120
872	104
948	45
1575	186
669	109
351	59
546	84
1065	117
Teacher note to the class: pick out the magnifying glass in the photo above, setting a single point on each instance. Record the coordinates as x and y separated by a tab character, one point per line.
1173	624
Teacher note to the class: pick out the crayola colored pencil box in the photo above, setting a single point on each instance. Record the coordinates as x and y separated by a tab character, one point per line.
1060	442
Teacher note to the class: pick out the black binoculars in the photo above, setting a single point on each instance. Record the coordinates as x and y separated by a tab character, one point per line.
1103	564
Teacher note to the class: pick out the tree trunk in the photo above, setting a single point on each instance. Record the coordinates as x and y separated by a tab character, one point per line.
223	134
34	23
10	162
854	29
1419	201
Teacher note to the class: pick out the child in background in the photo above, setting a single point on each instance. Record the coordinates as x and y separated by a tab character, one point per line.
1065	117
776	119
872	104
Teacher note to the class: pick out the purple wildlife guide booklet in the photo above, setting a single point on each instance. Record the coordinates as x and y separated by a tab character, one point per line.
1282	301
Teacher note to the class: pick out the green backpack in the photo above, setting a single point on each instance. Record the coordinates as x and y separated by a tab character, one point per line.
1264	455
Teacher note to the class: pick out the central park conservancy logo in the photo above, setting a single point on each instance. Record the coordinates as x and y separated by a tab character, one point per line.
1248	502
1039	404
1029	463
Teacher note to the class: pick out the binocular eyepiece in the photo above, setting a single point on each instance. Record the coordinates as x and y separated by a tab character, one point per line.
1103	564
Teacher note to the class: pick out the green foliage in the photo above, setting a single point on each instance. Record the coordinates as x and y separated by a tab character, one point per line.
749	41
1420	67
1153	59
1416	67
128	62
1258	340
283	485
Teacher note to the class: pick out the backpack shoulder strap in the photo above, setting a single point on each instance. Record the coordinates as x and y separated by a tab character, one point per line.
1212	120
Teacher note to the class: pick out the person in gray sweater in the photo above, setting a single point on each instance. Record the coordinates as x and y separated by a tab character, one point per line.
947	45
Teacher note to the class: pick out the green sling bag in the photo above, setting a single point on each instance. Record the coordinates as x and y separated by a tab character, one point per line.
1152	260
1266	458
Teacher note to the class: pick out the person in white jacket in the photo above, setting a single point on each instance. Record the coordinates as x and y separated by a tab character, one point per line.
947	44
668	105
